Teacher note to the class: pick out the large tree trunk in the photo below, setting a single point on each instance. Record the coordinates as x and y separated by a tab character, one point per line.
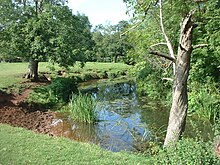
178	112
33	70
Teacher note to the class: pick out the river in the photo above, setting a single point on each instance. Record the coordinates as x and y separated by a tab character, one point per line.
126	121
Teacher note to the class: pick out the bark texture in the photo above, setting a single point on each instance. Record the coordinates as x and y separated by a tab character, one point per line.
178	112
33	70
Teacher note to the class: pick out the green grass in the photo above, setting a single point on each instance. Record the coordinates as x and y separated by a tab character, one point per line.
101	66
82	108
20	146
12	73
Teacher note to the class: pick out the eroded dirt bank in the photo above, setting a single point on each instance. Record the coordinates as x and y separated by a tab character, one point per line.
16	112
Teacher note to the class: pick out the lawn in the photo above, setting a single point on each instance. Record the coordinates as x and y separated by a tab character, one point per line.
20	146
12	73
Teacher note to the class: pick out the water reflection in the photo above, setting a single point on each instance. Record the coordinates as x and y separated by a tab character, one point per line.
126	122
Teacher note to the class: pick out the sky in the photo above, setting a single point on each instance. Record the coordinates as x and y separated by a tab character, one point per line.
100	11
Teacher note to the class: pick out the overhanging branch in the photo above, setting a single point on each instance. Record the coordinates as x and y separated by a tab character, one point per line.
162	55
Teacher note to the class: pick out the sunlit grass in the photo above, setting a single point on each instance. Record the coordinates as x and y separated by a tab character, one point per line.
101	66
12	73
19	146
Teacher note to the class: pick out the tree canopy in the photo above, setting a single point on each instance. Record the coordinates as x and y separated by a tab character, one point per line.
43	30
110	44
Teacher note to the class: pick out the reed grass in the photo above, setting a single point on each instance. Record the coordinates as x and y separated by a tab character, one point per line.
82	108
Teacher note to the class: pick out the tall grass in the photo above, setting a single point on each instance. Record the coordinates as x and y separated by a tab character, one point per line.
82	108
205	101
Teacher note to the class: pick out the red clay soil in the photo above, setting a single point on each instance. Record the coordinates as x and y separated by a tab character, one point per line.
16	112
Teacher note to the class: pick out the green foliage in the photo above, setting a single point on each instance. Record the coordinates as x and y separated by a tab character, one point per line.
110	44
58	91
205	61
204	74
50	32
20	146
63	88
204	100
42	97
82	108
150	83
187	151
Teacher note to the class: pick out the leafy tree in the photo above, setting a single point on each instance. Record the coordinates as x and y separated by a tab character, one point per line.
110	43
43	30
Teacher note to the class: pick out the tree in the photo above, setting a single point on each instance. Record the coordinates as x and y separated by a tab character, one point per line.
110	43
44	30
171	12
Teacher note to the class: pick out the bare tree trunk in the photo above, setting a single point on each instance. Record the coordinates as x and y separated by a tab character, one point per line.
33	70
178	112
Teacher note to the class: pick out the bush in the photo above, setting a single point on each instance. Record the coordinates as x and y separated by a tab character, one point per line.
63	88
58	91
150	83
187	151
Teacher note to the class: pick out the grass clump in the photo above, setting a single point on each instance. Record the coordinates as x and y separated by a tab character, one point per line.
82	108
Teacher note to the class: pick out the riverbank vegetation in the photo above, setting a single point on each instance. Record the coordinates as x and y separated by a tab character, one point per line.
146	48
81	108
19	146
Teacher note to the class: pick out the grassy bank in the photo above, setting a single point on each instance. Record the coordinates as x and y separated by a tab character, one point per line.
19	146
12	73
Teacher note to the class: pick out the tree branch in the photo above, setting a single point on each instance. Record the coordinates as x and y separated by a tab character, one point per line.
161	43
163	55
200	46
167	79
169	45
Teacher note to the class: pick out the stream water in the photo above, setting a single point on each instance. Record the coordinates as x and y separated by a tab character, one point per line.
126	122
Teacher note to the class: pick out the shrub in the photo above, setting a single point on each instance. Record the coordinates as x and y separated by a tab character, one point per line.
62	88
103	75
187	151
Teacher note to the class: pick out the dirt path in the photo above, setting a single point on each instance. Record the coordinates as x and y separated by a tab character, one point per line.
16	112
